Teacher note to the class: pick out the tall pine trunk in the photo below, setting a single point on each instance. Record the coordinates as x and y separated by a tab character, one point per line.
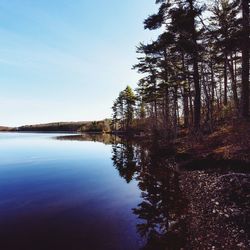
245	61
225	80
197	89
212	90
185	94
234	82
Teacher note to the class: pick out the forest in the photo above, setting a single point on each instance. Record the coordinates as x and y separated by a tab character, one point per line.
192	102
195	75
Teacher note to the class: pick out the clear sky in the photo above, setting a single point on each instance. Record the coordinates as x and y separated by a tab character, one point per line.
66	60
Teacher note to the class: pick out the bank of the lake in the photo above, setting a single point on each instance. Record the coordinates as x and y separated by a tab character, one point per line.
214	172
215	178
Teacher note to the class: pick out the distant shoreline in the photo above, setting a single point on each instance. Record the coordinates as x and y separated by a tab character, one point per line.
63	127
38	132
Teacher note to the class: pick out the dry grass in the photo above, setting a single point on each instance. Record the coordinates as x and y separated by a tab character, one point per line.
230	141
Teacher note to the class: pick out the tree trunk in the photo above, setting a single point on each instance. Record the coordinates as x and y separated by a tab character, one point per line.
234	83
185	95
197	97
225	79
212	94
207	97
167	107
166	120
245	61
190	100
175	110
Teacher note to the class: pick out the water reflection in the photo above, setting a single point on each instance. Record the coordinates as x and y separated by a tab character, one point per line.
162	209
161	213
123	156
95	137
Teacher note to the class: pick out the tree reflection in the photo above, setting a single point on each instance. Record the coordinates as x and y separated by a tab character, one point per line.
162	209
95	137
123	158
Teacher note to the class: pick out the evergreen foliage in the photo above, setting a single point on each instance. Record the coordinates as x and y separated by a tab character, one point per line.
196	72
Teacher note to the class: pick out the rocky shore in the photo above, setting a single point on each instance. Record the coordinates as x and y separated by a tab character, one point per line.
218	212
215	179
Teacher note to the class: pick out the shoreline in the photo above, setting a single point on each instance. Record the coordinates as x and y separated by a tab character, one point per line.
214	176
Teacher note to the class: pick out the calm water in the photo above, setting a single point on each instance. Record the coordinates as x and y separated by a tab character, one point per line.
78	194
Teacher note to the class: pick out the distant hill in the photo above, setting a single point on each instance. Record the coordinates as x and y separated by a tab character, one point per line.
5	129
53	127
84	126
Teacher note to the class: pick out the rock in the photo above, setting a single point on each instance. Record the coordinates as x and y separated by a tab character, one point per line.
241	244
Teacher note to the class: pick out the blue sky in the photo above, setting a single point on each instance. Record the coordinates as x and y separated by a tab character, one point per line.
66	60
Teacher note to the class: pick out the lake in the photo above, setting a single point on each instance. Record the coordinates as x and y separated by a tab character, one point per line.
75	192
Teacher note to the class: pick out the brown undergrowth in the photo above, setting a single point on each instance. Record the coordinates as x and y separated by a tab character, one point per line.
230	141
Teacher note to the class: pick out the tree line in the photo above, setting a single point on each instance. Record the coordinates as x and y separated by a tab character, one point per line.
195	73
